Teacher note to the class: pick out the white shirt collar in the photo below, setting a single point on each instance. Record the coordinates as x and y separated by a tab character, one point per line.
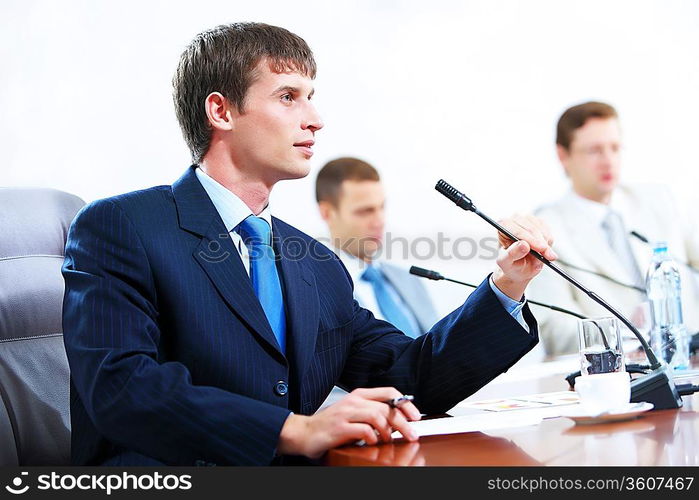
355	266
232	209
597	212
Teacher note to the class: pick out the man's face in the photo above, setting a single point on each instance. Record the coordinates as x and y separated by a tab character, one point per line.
274	135
593	160
357	222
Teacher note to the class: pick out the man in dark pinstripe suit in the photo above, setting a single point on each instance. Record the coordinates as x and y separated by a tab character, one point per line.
183	352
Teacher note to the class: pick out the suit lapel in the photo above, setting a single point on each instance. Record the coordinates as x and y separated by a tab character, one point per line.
592	247
300	296
219	258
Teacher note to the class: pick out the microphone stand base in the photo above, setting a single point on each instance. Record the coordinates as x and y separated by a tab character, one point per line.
658	388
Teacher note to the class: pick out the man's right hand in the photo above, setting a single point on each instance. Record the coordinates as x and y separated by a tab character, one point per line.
361	415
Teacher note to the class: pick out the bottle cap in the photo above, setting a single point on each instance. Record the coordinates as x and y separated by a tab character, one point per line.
659	247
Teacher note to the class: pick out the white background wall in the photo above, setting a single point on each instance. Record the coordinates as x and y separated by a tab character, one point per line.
465	90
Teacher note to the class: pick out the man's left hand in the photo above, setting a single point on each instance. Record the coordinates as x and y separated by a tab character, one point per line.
516	266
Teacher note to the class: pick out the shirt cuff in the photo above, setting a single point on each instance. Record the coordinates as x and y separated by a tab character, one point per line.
513	307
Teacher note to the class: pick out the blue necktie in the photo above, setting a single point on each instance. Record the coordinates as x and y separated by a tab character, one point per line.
394	311
256	235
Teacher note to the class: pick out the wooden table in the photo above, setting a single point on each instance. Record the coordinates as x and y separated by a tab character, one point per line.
659	437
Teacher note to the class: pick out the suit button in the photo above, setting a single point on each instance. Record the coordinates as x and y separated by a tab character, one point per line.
281	388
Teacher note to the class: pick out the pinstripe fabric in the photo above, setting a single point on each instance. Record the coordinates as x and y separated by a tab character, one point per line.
172	358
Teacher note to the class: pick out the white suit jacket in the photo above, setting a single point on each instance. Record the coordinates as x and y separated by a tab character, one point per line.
648	209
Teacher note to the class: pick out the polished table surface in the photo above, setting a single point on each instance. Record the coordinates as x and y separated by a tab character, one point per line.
658	437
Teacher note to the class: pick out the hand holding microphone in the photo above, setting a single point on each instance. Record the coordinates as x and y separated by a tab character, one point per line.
516	265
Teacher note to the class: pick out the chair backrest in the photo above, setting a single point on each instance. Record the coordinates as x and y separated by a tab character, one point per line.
34	374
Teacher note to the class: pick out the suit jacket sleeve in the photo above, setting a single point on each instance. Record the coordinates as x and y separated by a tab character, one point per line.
133	397
462	352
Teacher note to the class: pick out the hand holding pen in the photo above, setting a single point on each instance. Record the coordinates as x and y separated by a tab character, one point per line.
397	402
369	415
394	403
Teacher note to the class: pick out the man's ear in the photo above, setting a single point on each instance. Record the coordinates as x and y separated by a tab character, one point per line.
219	112
563	156
326	210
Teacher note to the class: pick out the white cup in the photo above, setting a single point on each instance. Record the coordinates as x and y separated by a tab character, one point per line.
603	392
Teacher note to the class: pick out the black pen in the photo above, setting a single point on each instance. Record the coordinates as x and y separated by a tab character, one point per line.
396	402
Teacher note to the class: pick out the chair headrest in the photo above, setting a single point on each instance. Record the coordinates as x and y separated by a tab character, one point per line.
35	221
34	224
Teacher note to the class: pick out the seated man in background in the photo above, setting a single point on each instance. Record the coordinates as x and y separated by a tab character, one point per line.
592	224
351	200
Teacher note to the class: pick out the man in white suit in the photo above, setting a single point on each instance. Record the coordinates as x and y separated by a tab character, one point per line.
592	226
351	201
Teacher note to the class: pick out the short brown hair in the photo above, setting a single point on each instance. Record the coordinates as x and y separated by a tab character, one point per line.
223	59
576	117
335	172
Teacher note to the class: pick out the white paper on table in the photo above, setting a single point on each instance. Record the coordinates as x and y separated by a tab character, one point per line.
474	423
540	400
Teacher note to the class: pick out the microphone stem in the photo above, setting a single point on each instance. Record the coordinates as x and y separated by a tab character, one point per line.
530	301
603	276
652	360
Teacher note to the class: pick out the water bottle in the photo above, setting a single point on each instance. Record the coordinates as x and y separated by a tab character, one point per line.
668	335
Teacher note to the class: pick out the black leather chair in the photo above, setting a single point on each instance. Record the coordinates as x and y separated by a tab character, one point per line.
34	374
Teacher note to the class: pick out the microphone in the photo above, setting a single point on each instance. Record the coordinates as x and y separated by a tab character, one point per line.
640	236
645	240
656	387
434	275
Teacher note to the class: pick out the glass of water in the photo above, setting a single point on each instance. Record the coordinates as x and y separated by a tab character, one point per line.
600	346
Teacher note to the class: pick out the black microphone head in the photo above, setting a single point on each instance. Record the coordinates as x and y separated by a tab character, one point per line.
638	235
454	195
425	273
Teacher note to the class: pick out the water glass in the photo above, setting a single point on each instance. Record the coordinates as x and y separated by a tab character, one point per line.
600	346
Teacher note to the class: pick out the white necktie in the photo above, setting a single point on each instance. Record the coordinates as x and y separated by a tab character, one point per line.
619	242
